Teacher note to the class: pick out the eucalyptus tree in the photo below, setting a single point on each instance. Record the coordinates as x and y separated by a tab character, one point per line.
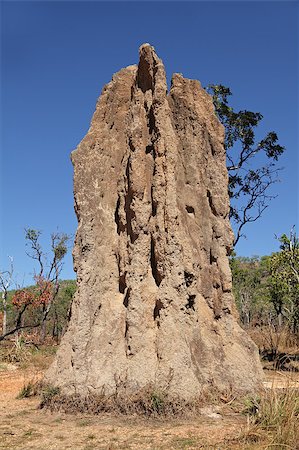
249	178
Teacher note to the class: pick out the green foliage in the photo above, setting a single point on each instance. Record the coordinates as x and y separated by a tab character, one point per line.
250	289
157	402
32	235
284	279
267	289
60	246
249	182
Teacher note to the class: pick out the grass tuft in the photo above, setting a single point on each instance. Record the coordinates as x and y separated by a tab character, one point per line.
48	395
29	389
274	419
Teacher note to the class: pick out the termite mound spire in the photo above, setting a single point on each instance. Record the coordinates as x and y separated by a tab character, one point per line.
154	304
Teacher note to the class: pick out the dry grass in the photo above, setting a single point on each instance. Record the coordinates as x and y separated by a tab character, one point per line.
32	387
148	402
273	420
279	348
270	338
27	354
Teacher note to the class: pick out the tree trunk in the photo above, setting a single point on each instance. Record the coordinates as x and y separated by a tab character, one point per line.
4	303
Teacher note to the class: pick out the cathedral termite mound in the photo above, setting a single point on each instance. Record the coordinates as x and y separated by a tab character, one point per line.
154	304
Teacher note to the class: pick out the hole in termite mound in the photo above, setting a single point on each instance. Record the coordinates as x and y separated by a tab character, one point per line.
190	209
157	309
190	302
189	278
149	149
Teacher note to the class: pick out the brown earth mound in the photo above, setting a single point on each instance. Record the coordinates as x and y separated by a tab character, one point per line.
154	305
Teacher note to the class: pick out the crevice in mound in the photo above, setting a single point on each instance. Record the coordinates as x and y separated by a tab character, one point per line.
210	199
130	214
127	298
127	339
150	149
96	313
119	225
210	142
154	203
151	120
86	248
116	216
156	275
121	277
144	78
131	145
122	283
217	303
126	329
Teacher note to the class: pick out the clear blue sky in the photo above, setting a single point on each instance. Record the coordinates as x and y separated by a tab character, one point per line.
56	57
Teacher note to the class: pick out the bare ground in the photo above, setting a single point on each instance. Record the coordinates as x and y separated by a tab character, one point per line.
24	426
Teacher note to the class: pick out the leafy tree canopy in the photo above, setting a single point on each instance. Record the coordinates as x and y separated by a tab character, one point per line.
249	182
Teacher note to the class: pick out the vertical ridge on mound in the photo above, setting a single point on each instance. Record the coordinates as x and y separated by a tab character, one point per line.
154	302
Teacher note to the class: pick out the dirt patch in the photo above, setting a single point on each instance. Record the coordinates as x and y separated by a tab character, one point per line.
281	379
24	426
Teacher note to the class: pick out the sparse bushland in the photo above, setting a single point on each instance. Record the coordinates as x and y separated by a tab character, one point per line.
267	291
35	302
57	319
266	288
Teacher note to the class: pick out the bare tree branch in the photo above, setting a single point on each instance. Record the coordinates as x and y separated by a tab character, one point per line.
48	284
5	283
